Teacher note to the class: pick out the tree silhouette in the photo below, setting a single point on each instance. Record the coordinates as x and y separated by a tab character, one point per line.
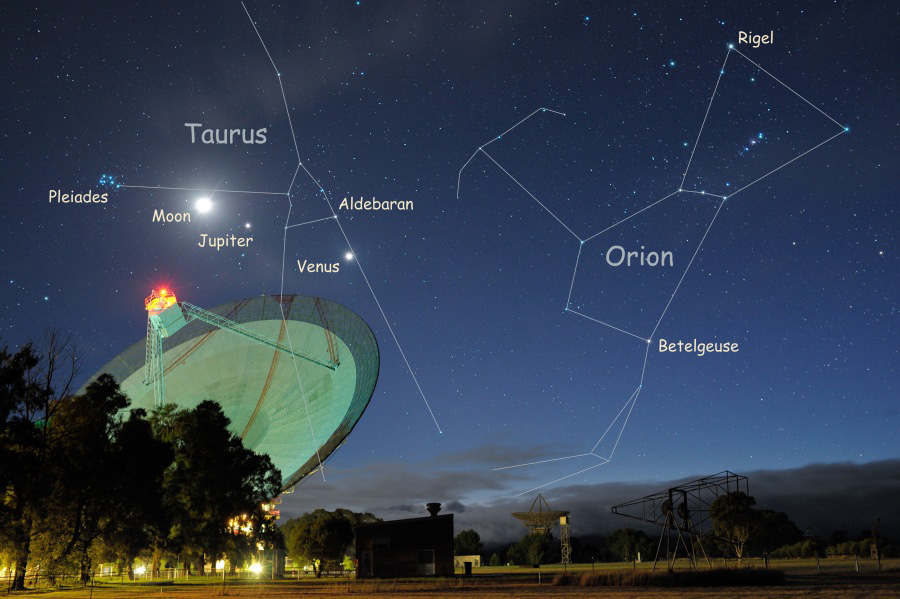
319	537
467	542
84	478
213	479
627	543
734	519
34	384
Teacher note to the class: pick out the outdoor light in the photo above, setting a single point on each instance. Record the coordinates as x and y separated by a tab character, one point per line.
140	570
256	568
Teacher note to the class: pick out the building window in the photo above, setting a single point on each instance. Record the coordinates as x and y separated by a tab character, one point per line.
381	543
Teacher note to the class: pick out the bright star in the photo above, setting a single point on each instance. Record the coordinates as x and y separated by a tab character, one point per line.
348	256
246	225
204	205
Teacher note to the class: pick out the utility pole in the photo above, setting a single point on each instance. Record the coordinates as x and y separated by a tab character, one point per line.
875	541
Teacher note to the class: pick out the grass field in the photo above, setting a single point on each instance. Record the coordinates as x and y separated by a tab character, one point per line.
789	566
838	579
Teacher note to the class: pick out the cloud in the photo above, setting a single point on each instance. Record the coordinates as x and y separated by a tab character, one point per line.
822	497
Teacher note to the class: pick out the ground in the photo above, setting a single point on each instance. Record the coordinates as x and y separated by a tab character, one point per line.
838	579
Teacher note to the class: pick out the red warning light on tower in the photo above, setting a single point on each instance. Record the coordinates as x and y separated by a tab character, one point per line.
157	302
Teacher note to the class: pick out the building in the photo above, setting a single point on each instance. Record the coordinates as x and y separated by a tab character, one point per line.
459	561
406	548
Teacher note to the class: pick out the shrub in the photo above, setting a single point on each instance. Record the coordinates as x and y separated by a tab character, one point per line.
701	578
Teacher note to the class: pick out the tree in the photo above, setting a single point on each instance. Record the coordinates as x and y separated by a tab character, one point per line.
95	492
139	463
495	560
468	542
34	385
772	530
84	479
807	548
320	538
212	479
734	519
838	536
584	552
533	549
82	456
356	519
627	543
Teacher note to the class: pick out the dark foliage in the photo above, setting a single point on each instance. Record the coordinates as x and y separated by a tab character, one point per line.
86	477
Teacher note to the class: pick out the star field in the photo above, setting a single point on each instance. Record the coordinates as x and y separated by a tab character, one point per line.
388	101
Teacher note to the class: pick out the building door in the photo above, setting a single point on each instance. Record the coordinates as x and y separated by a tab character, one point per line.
366	567
426	562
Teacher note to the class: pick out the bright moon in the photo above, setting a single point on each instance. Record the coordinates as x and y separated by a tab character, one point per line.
204	205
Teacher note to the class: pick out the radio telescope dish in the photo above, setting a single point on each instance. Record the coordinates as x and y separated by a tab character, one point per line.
258	386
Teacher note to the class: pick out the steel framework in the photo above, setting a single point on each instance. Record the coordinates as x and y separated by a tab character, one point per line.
684	511
161	322
153	373
191	312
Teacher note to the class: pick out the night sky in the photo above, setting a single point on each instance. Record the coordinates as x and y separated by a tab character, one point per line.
389	100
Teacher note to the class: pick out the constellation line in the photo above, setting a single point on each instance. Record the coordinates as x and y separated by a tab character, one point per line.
631	216
312	431
606	324
493	139
684	274
343	233
613	421
530	194
268	193
705	116
632	400
568	457
702	193
572	284
309	222
788	162
605	461
787	86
